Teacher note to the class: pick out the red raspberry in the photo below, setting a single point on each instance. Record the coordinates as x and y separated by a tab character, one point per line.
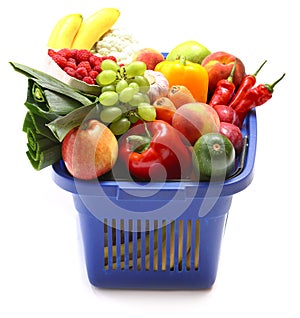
97	68
88	80
65	53
94	60
51	52
86	65
81	72
70	71
112	58
71	64
72	59
93	74
60	60
83	55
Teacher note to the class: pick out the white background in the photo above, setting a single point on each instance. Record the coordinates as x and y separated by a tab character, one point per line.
42	272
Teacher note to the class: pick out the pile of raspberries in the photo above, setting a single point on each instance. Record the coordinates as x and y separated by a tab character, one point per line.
80	64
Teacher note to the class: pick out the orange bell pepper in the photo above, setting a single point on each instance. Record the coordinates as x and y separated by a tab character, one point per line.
186	73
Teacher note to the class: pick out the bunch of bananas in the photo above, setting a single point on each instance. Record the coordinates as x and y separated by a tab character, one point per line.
74	32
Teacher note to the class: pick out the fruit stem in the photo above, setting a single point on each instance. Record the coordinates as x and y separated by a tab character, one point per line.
182	60
230	78
255	74
270	87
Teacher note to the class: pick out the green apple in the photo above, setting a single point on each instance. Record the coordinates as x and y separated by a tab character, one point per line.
192	50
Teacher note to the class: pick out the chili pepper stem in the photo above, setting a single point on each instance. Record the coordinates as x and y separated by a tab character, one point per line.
230	78
255	74
270	87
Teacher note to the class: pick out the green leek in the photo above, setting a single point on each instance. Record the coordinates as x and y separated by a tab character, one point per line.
54	108
43	149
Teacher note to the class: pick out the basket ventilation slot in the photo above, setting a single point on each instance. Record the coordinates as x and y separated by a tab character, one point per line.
151	245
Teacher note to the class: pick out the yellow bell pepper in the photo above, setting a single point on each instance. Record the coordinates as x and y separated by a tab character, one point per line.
183	72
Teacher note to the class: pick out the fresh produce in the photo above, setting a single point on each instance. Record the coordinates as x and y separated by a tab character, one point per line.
219	65
149	56
234	134
148	114
126	88
155	151
227	114
90	150
247	82
119	43
80	64
43	149
256	96
94	26
64	31
224	90
186	73
214	157
191	50
165	109
194	120
54	108
159	85
180	95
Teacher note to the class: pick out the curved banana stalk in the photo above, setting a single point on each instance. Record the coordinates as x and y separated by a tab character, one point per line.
64	32
94	26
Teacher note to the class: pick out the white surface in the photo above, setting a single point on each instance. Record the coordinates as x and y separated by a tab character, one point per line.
42	273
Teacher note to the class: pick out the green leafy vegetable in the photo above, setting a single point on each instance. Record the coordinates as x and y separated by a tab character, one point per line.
62	125
43	148
54	108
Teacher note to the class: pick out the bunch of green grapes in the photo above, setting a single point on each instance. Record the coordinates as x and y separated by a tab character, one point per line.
123	95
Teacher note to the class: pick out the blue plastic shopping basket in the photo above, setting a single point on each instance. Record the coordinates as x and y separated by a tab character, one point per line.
156	235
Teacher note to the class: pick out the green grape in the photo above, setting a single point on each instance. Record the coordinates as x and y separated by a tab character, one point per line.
135	68
143	83
146	98
106	77
120	126
108	88
126	95
110	114
110	65
135	86
137	99
108	98
121	85
146	111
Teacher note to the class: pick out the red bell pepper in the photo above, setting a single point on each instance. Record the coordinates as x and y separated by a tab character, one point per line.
155	151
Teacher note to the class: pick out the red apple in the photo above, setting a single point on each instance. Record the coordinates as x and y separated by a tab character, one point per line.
194	120
227	114
219	65
149	56
234	134
89	150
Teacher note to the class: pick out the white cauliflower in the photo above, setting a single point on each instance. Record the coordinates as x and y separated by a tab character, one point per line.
119	43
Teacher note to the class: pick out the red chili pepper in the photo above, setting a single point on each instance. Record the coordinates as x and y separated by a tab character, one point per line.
224	90
155	151
255	97
247	83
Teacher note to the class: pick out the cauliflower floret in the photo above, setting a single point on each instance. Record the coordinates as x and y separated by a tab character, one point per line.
119	43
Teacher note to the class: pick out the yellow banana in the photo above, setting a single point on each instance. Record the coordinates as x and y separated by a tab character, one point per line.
64	31
94	26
